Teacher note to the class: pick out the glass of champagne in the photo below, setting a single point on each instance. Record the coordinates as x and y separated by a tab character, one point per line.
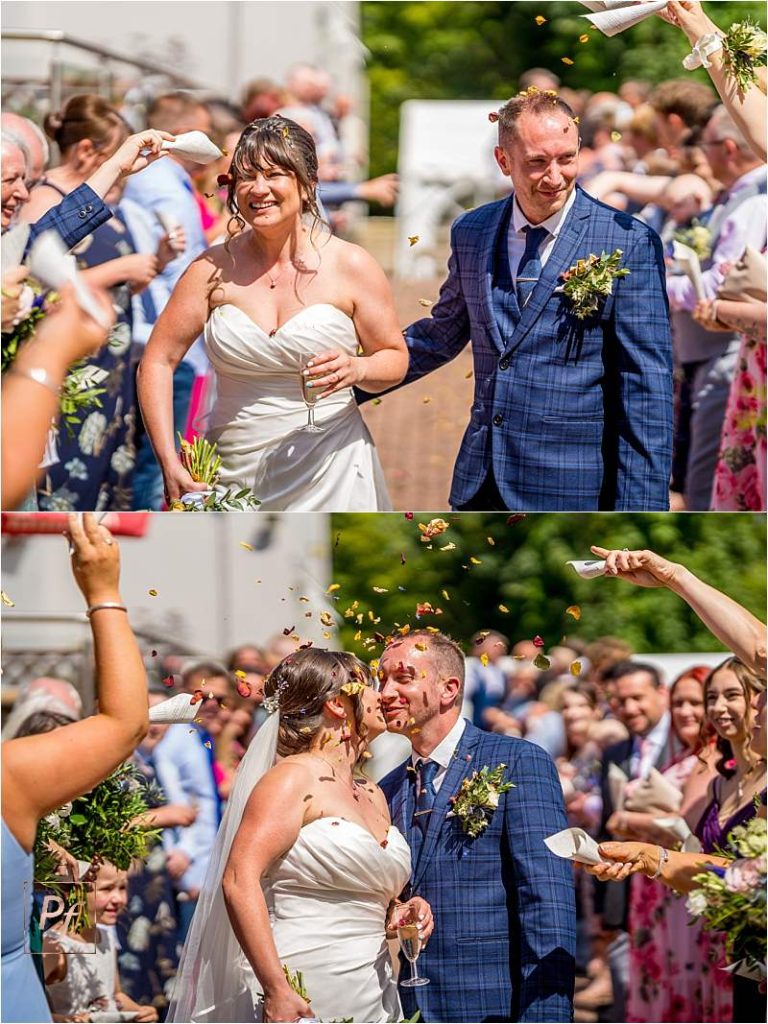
410	943
309	394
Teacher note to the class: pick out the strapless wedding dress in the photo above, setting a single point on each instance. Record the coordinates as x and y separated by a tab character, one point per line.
258	415
327	900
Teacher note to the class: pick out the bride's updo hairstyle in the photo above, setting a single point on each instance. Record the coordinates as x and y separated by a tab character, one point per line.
281	142
299	687
86	116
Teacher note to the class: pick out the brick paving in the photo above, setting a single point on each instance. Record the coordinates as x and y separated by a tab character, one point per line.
418	428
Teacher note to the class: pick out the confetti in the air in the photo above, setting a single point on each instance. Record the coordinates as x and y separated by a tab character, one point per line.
483	660
413	239
575	668
7	601
615	136
538	641
540	19
566	60
246	546
152	593
333	588
584	38
425	302
541	663
503	608
574	611
433	529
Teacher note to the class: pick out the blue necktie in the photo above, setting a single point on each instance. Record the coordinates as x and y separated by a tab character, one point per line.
529	268
425	801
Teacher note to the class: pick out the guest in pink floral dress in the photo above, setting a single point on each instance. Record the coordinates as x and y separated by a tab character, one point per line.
671	971
740	476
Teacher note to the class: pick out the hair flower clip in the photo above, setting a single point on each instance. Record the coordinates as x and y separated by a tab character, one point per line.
223	180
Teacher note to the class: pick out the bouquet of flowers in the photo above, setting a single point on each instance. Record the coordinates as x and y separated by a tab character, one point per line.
99	826
589	281
80	390
202	461
733	900
744	49
697	237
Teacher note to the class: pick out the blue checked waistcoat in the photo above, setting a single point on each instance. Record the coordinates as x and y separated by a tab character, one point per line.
571	414
504	940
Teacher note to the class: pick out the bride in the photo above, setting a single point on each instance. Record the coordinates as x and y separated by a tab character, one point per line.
306	868
284	307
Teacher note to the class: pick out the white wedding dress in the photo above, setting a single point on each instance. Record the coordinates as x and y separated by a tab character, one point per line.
258	415
327	901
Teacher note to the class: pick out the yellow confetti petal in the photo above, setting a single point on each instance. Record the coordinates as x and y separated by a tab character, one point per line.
7	601
375	401
576	668
152	593
380	590
566	60
425	302
358	635
503	608
248	547
426	400
615	136
239	673
326	635
448	547
446	595
574	610
469	376
483	659
420	647
326	618
475	561
491	541
413	239
333	587
304	600
540	19
584	38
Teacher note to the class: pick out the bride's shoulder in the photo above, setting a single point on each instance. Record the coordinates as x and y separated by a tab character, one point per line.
350	258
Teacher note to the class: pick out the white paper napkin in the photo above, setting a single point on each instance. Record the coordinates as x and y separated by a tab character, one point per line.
589	570
574	844
614	16
53	267
176	709
194	146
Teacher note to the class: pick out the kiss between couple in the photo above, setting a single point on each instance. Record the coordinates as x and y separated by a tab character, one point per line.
573	378
315	866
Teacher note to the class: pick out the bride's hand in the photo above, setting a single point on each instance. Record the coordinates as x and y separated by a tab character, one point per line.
177	481
285	1005
333	371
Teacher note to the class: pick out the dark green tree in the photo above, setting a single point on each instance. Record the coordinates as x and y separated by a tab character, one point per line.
432	49
380	562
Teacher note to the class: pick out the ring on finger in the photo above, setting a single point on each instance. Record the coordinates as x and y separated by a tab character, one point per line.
109	541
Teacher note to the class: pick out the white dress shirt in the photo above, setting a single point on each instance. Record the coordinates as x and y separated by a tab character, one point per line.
443	752
519	222
646	750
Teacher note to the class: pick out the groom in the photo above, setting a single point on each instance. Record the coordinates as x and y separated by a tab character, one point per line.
504	939
568	414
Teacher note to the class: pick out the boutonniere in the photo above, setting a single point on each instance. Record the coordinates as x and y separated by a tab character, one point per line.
478	798
590	280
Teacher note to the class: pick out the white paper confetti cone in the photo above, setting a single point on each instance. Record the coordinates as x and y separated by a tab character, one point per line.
176	709
194	146
574	844
589	570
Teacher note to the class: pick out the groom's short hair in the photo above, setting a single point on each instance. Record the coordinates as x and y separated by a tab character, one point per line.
447	654
532	101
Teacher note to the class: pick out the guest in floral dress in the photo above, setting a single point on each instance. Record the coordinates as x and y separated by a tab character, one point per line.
740	476
96	456
671	978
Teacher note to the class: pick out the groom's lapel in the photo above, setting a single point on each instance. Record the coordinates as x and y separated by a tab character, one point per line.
462	764
491	240
569	247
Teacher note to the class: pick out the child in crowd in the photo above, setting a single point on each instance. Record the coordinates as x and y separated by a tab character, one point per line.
81	976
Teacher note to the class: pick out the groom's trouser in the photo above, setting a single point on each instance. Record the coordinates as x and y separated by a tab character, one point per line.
618	963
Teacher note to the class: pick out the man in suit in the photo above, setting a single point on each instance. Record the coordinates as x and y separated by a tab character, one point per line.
639	699
568	414
504	939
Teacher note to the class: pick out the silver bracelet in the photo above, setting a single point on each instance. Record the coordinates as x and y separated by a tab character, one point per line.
38	375
663	858
105	604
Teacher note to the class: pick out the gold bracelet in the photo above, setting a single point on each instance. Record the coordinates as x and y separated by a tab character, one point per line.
38	375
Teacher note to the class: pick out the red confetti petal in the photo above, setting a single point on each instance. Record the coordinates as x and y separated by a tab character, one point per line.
244	689
168	681
538	641
408	515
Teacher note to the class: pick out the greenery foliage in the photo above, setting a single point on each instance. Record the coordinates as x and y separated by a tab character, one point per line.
519	564
437	49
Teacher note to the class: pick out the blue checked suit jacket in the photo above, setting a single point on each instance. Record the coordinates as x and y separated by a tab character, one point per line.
572	415
504	940
75	217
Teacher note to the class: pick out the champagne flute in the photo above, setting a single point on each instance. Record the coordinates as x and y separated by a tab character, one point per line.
308	394
410	943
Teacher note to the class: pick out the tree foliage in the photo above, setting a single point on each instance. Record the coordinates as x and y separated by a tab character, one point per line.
380	561
437	49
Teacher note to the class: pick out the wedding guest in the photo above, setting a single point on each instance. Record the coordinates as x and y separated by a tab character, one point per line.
96	458
33	781
747	107
486	681
669	976
28	133
31	387
184	764
708	360
14	194
740	474
683	106
166	191
641	704
81	976
40	692
734	626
